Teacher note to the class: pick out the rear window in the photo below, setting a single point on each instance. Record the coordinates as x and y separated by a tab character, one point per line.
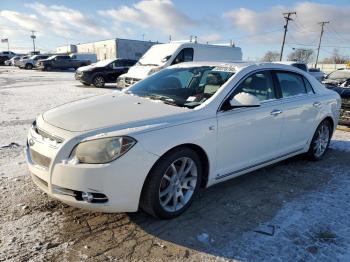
291	84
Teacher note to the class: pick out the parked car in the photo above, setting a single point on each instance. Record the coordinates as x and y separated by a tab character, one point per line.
190	125
6	55
11	61
29	63
105	71
18	61
161	56
61	62
315	72
339	81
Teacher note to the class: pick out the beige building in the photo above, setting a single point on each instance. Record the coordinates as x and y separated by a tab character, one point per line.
116	48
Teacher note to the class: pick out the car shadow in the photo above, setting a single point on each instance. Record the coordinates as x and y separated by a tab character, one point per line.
225	211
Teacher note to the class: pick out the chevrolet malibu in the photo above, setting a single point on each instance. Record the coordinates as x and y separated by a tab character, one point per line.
192	125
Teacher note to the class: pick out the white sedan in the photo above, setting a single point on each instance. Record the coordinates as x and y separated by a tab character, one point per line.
189	126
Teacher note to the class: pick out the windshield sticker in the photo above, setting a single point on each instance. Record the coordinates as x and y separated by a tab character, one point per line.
231	69
191	99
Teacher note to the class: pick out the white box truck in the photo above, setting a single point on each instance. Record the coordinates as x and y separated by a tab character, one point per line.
161	56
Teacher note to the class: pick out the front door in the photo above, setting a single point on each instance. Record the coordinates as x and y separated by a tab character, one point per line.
249	136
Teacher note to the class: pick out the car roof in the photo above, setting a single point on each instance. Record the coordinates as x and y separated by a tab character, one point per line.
239	65
289	62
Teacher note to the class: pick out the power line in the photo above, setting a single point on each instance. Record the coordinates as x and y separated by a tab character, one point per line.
287	18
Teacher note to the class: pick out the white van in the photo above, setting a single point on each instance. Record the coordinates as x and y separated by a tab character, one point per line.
161	56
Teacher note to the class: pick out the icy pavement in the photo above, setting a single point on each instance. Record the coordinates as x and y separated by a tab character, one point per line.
296	210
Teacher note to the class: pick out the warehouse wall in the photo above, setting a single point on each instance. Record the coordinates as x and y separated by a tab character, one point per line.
132	49
103	49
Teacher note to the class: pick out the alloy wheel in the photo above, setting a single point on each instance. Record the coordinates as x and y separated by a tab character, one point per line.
99	81
178	184
321	141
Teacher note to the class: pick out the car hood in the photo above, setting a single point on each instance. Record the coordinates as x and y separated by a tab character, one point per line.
117	110
139	72
85	68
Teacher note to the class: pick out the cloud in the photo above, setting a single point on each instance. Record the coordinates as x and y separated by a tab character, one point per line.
25	21
210	38
57	19
160	15
65	21
304	28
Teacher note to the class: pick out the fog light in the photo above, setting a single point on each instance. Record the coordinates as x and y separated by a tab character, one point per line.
86	196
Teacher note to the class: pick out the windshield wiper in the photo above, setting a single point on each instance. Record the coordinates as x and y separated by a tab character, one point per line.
165	99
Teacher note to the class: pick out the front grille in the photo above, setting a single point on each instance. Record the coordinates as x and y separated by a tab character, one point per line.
40	159
46	135
130	81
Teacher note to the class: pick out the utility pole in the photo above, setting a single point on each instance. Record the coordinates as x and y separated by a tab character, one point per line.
319	42
33	37
287	18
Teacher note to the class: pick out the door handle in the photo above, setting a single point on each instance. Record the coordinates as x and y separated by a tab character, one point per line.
276	112
316	104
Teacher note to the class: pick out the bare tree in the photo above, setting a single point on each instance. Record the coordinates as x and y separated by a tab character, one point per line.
301	55
270	56
335	58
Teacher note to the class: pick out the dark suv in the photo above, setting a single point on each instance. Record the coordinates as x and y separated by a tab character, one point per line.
105	71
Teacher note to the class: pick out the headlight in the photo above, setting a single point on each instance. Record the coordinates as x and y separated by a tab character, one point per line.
103	150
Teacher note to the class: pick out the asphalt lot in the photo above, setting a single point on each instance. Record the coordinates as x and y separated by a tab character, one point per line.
292	211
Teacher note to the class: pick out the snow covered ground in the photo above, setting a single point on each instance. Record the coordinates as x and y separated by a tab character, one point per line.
293	211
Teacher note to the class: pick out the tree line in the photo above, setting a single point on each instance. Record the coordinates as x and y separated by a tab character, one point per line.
306	56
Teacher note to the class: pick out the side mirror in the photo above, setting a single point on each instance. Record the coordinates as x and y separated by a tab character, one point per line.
244	100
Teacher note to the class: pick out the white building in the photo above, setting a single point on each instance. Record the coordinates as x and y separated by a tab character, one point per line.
116	48
66	49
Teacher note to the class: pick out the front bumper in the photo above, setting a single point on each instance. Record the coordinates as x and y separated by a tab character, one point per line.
83	77
120	181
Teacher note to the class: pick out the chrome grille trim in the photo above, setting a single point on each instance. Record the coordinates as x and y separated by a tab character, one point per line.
47	135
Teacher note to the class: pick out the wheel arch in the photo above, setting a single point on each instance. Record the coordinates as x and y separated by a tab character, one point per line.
196	148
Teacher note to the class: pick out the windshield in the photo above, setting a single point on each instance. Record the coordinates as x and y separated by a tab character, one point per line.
339	75
184	87
157	55
33	57
104	63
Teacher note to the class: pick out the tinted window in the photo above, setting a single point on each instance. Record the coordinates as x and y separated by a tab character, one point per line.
300	66
186	55
308	86
291	84
259	84
63	57
131	62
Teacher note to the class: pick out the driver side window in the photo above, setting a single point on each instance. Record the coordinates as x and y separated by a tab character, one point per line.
185	55
259	84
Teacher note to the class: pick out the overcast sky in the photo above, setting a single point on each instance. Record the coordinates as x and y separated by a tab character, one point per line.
255	26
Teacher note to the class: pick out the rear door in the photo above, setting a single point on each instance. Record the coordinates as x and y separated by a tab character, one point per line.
300	108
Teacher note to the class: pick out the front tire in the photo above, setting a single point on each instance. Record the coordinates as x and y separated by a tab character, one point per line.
29	66
320	141
172	184
98	81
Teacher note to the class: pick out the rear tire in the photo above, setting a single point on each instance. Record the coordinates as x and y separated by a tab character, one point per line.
320	141
98	81
172	184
